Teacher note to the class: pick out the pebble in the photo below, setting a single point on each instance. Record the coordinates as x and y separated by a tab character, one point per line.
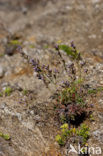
24	10
2	106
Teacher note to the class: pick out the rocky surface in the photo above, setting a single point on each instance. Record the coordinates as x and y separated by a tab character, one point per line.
29	119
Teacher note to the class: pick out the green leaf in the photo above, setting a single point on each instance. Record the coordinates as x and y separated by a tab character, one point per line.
69	51
15	42
1	134
6	136
7	91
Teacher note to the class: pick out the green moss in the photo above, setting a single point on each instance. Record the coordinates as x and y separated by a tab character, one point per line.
0	94
7	91
1	55
92	91
95	91
46	46
32	46
15	42
25	92
5	136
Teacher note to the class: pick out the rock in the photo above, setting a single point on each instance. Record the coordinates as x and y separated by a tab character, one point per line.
5	84
6	149
1	72
98	134
2	106
24	10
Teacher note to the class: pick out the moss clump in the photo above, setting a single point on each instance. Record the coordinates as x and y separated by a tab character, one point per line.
7	91
5	136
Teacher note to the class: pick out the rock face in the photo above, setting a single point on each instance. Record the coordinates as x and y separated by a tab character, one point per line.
37	26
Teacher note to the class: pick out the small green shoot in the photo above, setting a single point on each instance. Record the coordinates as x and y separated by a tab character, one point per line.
46	46
15	42
83	132
25	92
32	46
92	118
5	136
95	91
7	91
1	55
61	139
0	94
69	51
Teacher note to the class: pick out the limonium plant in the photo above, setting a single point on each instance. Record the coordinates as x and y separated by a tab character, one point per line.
70	96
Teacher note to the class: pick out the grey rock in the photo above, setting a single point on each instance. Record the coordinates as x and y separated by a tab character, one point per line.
98	135
2	106
24	10
5	84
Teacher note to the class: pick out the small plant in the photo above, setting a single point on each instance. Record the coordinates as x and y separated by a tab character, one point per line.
0	94
7	91
66	133
25	92
5	136
2	54
91	117
32	46
71	102
70	97
15	42
46	47
70	51
44	72
95	90
83	132
61	139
